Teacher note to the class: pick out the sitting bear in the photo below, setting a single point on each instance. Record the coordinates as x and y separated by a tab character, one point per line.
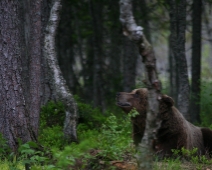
175	131
136	99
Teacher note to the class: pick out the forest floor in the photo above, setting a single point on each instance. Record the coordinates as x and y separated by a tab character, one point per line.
120	165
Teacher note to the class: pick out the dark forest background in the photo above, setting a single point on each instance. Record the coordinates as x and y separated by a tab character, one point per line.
97	60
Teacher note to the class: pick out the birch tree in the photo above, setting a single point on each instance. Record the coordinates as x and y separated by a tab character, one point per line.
58	83
135	33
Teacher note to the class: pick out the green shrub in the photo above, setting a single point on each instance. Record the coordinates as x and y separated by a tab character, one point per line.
112	140
52	137
53	113
91	117
206	104
4	148
51	125
115	137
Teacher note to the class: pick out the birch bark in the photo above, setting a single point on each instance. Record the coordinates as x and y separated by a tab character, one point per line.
58	83
135	33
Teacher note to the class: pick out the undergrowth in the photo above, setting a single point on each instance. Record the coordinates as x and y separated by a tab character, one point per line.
102	138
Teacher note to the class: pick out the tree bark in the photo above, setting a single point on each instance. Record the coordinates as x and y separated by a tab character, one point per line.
58	83
32	75
178	26
173	70
130	57
196	61
98	85
19	119
135	33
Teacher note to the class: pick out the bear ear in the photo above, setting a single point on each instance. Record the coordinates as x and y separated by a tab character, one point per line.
166	99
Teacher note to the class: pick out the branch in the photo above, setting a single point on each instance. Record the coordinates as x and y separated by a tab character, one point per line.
135	33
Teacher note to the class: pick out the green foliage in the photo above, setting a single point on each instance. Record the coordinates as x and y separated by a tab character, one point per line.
52	117
4	148
115	137
53	113
29	154
90	117
52	137
112	140
206	104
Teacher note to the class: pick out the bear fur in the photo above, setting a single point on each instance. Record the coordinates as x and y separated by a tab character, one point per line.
175	131
136	99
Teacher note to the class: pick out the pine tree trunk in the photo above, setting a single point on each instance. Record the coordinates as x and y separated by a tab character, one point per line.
196	61
20	71
173	70
98	85
178	26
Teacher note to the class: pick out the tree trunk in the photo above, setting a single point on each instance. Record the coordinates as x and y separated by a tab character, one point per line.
32	75
130	58
57	81
98	85
65	46
178	26
173	70
196	61
19	105
135	33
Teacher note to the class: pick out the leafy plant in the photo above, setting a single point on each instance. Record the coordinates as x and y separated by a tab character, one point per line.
115	137
91	117
206	104
52	137
4	148
53	113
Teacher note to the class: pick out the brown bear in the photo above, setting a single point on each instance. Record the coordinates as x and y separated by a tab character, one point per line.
136	99
175	131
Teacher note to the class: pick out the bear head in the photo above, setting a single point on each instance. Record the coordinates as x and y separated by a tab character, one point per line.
165	106
136	99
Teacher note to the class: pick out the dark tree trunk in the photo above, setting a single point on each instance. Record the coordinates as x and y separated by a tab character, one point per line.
33	51
173	71
178	26
196	61
98	88
19	109
129	70
88	70
65	46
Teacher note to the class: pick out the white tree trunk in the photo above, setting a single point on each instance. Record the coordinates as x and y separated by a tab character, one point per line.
58	83
135	33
